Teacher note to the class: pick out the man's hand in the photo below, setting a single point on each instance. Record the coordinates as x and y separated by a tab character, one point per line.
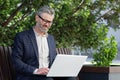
42	71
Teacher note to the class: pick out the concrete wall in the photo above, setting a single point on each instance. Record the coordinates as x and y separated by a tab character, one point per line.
114	76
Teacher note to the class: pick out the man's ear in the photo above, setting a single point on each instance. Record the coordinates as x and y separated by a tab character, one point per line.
36	18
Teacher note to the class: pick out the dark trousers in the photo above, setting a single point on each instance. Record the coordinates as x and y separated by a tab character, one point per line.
59	78
64	78
39	77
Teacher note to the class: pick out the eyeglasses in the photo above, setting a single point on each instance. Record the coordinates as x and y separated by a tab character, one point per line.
47	21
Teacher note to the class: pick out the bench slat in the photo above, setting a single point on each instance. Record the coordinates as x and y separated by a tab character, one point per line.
63	51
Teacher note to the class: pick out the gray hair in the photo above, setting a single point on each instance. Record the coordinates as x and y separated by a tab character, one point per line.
45	9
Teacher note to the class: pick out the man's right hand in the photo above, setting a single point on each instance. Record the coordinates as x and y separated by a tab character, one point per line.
42	71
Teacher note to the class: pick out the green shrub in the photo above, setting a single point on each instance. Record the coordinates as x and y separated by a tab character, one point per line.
105	54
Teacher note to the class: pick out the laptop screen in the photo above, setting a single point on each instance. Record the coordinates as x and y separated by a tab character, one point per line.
66	65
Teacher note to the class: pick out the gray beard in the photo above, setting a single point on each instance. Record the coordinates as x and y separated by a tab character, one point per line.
42	29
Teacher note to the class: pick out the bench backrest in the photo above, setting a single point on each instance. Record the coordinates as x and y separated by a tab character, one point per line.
63	51
6	70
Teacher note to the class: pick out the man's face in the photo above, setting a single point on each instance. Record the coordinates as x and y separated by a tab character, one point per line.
44	22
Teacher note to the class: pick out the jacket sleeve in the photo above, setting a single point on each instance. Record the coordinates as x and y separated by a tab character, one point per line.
18	55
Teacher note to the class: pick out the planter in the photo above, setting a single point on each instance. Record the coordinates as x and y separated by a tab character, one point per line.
90	72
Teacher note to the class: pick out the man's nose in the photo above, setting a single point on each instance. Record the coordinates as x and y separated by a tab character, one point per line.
47	24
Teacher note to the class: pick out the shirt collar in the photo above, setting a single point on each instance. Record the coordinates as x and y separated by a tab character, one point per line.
37	34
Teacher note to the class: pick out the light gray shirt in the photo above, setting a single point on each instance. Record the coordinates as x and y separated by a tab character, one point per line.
43	50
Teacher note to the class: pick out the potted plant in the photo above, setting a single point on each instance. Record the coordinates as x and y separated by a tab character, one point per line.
102	59
105	53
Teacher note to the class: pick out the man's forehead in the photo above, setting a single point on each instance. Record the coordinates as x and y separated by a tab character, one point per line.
46	14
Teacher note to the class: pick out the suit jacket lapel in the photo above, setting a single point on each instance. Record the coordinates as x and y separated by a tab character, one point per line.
49	46
33	40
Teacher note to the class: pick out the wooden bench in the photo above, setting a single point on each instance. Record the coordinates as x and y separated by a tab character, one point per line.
63	51
6	70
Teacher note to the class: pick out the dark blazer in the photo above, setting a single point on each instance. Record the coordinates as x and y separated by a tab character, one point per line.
25	55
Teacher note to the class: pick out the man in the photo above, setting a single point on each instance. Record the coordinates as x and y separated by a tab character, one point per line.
34	50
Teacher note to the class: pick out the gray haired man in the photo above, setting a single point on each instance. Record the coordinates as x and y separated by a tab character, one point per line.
34	50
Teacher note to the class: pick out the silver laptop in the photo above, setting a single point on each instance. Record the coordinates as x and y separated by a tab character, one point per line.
66	65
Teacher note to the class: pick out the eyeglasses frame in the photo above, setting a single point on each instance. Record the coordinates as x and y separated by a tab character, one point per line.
47	21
